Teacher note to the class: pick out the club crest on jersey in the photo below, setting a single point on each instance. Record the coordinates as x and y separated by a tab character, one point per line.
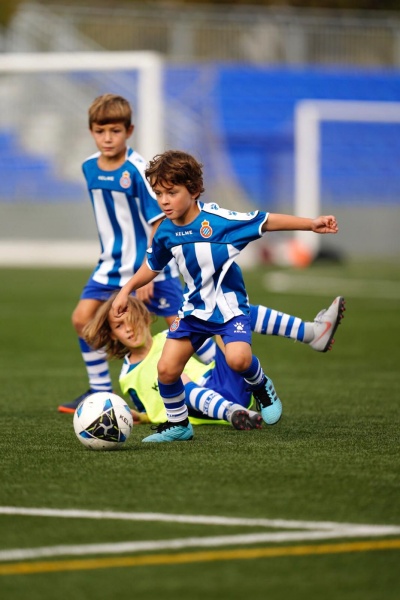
174	326
125	180
206	229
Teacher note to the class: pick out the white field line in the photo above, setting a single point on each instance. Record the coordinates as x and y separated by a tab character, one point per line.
315	531
180	543
309	285
190	519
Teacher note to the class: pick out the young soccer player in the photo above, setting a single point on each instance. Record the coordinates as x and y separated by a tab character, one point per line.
126	214
205	239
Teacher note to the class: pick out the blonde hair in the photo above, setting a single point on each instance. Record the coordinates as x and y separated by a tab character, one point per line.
110	108
97	333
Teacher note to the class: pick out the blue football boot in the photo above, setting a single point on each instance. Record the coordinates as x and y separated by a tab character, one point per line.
72	406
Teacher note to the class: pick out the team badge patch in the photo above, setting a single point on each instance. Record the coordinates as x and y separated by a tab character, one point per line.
125	180
206	229
175	324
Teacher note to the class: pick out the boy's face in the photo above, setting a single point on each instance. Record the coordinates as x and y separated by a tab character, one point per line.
122	330
176	202
111	139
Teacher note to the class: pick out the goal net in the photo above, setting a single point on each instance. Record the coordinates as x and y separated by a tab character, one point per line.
374	170
44	138
45	99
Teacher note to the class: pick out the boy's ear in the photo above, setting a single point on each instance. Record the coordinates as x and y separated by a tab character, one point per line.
129	131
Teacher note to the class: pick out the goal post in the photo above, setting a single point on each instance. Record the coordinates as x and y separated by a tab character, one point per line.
149	65
309	115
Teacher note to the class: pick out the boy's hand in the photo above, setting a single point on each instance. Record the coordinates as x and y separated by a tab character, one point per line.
120	304
325	225
146	292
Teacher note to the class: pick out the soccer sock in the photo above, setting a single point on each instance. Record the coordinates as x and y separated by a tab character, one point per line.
208	402
272	322
254	375
173	395
206	352
96	367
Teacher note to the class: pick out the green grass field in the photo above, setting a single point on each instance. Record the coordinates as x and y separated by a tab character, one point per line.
334	457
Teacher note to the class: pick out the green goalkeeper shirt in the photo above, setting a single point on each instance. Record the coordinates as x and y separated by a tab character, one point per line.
140	380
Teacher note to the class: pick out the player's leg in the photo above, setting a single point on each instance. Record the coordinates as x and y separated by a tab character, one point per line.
93	295
95	360
239	357
175	355
317	334
223	394
261	387
213	405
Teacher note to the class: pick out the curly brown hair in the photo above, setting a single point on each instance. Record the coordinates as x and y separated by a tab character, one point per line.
175	167
97	333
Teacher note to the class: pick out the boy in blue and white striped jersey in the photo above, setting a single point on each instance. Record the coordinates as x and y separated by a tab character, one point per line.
126	215
205	240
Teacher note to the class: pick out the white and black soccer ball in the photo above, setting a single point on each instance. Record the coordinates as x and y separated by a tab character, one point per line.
103	421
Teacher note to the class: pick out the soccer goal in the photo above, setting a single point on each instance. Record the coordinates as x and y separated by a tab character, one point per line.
45	98
309	115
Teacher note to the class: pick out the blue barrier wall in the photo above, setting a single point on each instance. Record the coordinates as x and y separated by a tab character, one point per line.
243	119
252	110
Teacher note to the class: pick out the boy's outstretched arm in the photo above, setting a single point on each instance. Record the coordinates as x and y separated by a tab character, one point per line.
141	277
277	222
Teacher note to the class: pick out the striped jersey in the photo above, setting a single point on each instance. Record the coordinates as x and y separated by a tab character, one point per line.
205	251
125	208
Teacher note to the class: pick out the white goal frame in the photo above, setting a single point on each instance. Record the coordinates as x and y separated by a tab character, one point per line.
150	101
309	115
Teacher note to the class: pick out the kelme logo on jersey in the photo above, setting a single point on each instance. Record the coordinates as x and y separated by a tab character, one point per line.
174	326
163	303
206	229
125	180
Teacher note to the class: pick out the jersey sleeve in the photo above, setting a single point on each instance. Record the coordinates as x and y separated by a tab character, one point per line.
145	196
158	255
240	228
249	229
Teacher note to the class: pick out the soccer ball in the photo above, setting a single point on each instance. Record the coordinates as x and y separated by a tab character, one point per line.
103	421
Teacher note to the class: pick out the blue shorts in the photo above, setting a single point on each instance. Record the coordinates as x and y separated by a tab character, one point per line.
198	331
166	301
228	383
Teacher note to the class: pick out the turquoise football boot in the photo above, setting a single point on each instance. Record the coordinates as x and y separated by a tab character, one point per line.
268	402
172	432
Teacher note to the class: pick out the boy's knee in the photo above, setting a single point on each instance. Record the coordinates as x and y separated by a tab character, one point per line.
78	320
239	363
166	373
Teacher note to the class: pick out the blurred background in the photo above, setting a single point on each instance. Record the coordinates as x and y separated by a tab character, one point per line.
244	86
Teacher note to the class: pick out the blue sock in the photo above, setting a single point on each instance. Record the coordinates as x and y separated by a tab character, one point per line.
173	395
207	401
272	322
254	375
206	352
96	367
